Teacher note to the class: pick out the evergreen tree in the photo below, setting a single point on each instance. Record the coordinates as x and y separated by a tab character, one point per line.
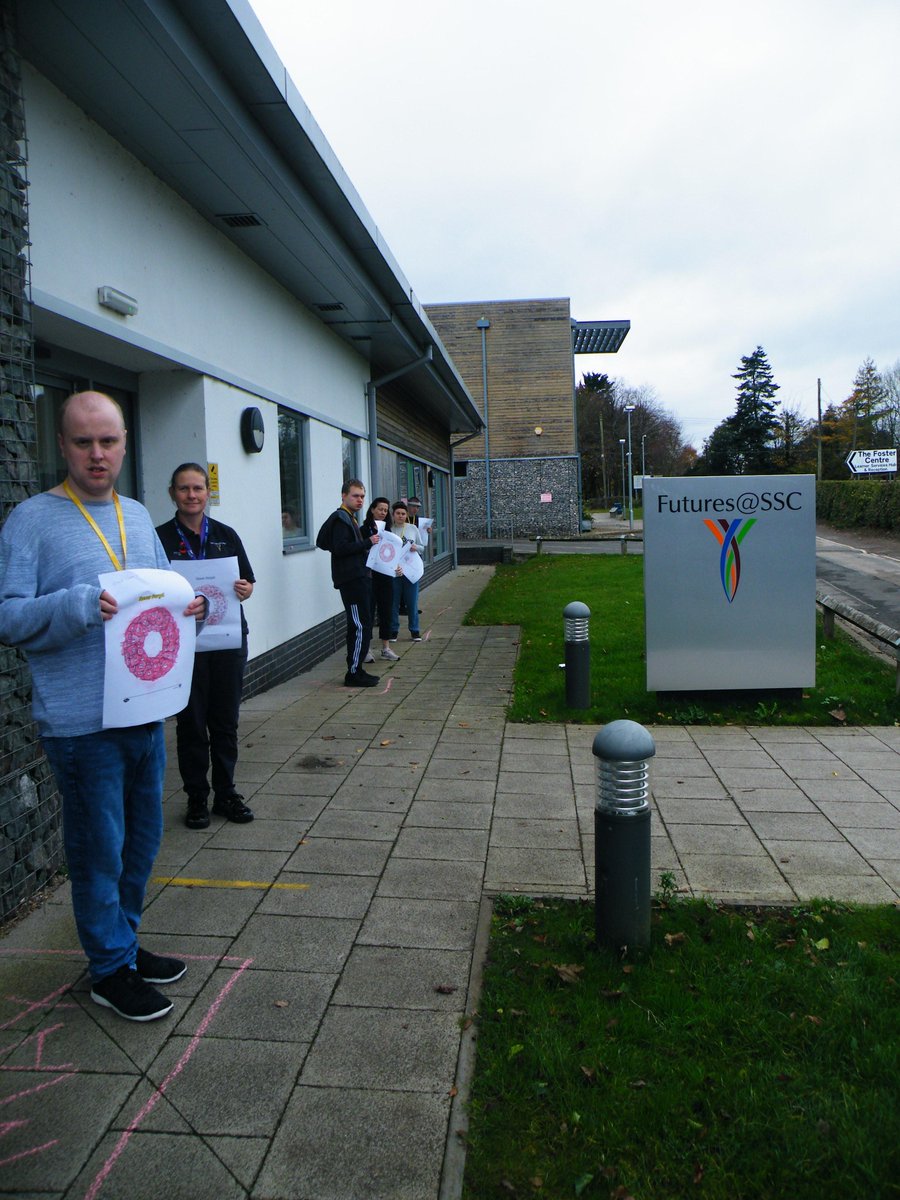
746	442
754	423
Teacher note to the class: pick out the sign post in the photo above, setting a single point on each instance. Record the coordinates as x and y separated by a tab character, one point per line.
872	462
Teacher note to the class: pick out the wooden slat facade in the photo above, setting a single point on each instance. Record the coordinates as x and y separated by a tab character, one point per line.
529	373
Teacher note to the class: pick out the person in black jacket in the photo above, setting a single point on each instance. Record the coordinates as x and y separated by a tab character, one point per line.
349	548
206	729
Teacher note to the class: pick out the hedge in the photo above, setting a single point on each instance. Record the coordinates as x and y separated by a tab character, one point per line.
847	503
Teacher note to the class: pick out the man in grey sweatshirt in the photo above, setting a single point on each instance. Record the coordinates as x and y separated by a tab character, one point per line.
53	547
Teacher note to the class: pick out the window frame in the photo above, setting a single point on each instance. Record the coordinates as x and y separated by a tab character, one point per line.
292	543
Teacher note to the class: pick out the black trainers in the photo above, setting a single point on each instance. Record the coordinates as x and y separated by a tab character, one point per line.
233	808
197	813
156	968
130	996
360	679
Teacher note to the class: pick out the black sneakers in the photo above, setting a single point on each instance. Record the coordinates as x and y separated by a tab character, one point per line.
130	996
156	968
360	679
233	808
197	813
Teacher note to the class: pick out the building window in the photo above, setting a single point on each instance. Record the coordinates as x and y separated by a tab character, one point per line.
350	455
292	452
461	469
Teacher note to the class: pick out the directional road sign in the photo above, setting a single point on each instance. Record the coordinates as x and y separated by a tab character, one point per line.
871	462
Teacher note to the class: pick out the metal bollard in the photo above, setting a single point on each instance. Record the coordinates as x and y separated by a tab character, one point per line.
539	544
576	624
622	835
624	542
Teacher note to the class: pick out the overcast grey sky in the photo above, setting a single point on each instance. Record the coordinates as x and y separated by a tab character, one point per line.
724	174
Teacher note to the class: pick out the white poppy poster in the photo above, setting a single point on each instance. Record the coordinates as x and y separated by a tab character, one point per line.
149	647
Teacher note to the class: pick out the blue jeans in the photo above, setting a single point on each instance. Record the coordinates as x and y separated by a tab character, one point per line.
111	784
410	593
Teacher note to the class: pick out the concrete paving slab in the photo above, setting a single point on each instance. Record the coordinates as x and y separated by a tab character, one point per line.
276	943
697	811
391	977
221	912
337	856
861	814
526	805
436	924
272	1006
319	895
827	858
449	815
433	842
403	1050
800	827
362	825
55	1136
536	834
688	788
715	839
748	878
347	1143
872	843
427	878
513	869
773	800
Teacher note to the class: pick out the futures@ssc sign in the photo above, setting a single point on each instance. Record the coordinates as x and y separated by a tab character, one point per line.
871	462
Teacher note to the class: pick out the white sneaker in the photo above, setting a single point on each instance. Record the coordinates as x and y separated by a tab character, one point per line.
370	657
388	653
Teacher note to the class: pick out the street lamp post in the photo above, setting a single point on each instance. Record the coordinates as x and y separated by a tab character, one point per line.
629	409
622	445
484	325
643	456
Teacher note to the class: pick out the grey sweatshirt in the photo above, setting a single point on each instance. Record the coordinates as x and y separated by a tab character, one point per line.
50	560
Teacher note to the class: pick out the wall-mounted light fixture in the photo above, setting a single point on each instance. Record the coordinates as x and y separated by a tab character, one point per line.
539	429
109	297
253	430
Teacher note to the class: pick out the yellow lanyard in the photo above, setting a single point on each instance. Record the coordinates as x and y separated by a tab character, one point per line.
96	528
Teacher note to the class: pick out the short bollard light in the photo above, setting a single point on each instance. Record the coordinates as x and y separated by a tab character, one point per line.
577	633
622	835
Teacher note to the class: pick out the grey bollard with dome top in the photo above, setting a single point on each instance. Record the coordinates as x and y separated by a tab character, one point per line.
622	835
576	631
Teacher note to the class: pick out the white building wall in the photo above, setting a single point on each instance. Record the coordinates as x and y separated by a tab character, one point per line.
233	335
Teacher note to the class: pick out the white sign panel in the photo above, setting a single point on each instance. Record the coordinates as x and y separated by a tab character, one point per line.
215	578
149	647
872	462
730	582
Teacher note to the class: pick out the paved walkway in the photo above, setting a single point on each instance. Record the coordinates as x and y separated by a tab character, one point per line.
334	944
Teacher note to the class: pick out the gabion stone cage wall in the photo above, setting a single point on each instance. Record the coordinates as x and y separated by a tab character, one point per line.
30	834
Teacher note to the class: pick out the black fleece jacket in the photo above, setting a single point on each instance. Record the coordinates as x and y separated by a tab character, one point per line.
349	549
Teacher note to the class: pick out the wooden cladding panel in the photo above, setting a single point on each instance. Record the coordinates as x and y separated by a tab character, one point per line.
400	425
529	372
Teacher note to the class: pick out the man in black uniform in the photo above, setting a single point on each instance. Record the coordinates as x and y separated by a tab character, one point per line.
342	536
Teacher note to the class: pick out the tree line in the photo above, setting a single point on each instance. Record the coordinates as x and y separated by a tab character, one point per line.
761	437
657	441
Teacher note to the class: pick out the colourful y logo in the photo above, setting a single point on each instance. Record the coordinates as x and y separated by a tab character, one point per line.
729	536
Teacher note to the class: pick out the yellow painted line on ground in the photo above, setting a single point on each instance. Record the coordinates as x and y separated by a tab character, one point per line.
180	881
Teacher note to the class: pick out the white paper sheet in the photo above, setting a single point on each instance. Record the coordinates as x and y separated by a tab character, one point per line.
385	556
215	578
424	527
149	647
411	562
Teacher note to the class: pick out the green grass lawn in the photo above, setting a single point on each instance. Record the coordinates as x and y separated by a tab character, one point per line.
746	1055
852	687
